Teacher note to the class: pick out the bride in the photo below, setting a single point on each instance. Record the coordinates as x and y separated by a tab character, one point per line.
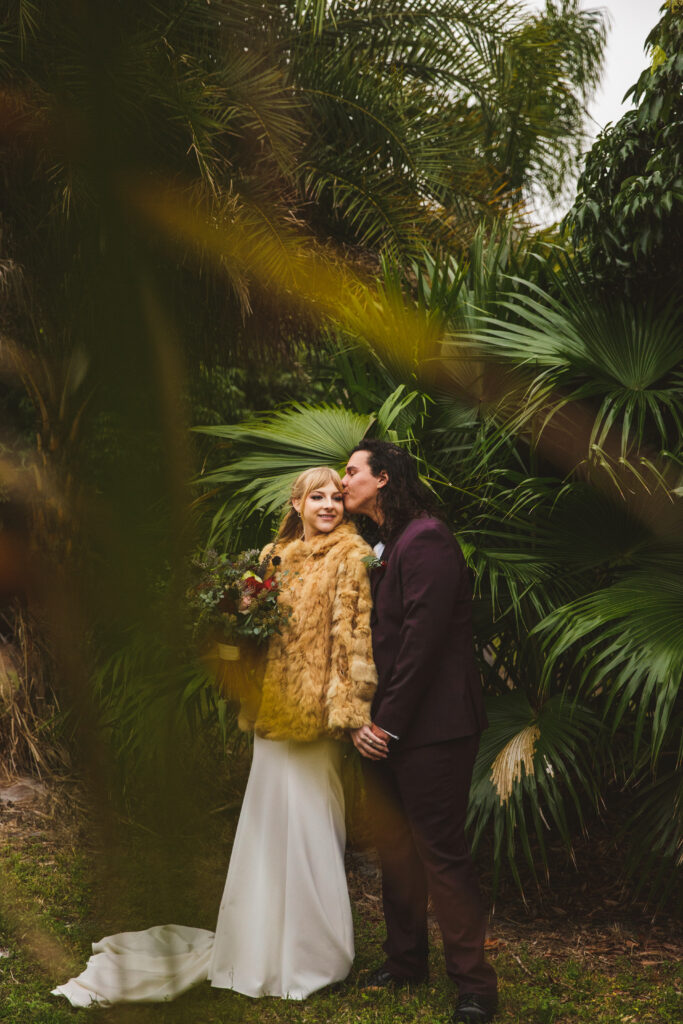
284	926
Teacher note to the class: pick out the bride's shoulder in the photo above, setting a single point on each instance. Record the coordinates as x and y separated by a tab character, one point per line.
354	543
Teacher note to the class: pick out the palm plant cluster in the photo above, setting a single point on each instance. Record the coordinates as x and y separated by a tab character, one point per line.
549	424
195	187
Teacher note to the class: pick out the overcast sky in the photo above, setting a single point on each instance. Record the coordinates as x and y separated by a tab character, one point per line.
631	21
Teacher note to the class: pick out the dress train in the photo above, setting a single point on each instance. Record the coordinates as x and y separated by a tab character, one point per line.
284	927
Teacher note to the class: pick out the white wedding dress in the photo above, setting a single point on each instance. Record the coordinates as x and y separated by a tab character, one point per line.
284	927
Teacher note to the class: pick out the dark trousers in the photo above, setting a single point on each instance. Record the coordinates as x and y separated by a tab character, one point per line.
417	799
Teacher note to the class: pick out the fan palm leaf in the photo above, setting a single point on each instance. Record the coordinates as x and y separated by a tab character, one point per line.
628	640
529	762
268	453
621	360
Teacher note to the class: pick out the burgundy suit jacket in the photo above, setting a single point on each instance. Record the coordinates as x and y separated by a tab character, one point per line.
429	687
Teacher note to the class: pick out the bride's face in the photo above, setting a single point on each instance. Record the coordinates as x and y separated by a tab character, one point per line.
321	511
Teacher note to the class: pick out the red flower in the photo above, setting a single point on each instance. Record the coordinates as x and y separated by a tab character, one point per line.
254	586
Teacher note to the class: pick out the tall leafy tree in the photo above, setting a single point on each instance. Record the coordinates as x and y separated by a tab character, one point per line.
529	94
628	213
427	116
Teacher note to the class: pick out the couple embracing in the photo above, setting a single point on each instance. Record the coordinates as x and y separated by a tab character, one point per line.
385	658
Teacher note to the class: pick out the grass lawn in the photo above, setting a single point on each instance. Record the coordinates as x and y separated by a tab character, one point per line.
60	889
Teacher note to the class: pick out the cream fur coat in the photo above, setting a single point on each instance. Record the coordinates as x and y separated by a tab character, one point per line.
319	677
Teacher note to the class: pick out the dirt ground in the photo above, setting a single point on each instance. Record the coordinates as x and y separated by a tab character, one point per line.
593	922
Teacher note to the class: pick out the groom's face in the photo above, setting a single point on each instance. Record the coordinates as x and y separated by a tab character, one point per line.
361	486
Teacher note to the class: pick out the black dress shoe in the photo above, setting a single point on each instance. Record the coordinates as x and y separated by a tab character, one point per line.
473	1009
382	977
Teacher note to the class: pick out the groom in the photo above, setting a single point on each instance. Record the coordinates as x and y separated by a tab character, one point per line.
427	717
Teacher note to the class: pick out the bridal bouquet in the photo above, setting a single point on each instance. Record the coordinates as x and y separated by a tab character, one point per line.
235	612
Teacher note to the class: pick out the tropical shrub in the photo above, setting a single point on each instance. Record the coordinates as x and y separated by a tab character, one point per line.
550	427
162	222
628	213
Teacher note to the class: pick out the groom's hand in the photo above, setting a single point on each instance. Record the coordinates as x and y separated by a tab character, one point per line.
371	741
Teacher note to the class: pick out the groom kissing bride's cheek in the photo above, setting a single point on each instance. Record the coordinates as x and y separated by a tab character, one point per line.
427	716
384	657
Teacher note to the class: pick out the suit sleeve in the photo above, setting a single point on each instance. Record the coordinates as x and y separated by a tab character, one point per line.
353	677
433	577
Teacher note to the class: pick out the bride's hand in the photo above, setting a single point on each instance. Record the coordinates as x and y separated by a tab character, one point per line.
368	743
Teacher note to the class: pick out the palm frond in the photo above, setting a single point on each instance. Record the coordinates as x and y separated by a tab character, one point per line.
655	835
269	453
627	640
529	766
620	360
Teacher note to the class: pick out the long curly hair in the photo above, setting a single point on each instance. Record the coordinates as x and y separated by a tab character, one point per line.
309	480
403	497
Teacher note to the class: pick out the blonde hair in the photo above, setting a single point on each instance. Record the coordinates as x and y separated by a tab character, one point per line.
309	480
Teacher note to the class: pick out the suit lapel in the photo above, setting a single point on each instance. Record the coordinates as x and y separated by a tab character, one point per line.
377	575
375	578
